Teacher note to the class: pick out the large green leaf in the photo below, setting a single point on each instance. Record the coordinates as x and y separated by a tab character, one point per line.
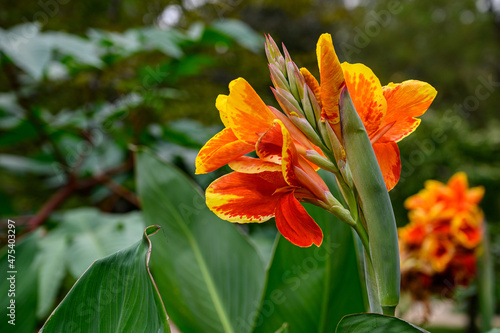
375	323
209	274
23	290
115	294
312	288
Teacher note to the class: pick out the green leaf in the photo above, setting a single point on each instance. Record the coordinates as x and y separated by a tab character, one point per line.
78	48
241	33
163	40
21	164
24	47
312	288
94	235
375	204
375	323
51	270
25	285
115	294
209	274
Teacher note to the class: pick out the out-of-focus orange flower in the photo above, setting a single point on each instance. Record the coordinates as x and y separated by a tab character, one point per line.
444	234
272	186
388	113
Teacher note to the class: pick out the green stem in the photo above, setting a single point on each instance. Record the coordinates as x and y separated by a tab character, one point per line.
371	285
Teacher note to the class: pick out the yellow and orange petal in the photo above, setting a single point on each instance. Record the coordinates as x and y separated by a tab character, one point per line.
240	197
390	164
247	115
405	101
220	104
438	252
247	164
467	228
367	95
331	78
220	150
313	84
295	224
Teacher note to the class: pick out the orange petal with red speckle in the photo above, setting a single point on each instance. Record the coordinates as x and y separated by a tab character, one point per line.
331	77
366	94
405	101
247	115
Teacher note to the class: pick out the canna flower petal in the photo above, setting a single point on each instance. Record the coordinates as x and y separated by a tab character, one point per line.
295	224
220	104
247	164
387	154
367	95
313	84
331	78
243	198
220	150
269	147
405	101
438	251
467	228
247	115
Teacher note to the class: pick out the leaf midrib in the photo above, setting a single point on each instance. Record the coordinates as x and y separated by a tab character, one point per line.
203	267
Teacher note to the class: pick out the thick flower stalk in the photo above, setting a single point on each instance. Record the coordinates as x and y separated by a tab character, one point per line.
345	123
439	246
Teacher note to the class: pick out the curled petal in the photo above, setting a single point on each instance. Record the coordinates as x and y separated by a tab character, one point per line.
240	197
220	150
269	145
367	96
295	224
331	77
220	104
390	164
290	158
405	101
247	115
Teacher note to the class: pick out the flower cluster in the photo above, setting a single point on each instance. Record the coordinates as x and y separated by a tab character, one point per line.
439	246
287	147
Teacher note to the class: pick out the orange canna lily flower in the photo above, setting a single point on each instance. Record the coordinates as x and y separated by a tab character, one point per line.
444	234
246	118
438	251
388	113
272	186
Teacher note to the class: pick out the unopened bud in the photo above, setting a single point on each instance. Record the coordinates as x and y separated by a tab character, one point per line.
288	102
321	161
306	128
309	111
279	80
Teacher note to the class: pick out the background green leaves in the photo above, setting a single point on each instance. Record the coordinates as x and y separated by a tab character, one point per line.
115	294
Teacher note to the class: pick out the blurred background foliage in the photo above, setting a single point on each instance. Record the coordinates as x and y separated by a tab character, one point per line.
82	81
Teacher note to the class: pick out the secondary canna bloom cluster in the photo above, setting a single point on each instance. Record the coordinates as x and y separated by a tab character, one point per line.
440	244
289	146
